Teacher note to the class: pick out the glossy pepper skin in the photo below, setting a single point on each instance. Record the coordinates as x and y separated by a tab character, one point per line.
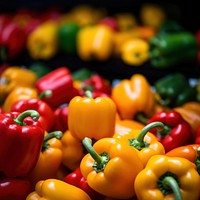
102	167
135	52
53	189
60	82
95	42
21	137
176	132
12	77
76	178
174	90
167	50
91	117
19	93
42	41
12	41
167	178
143	141
67	37
197	139
14	188
49	160
46	113
133	96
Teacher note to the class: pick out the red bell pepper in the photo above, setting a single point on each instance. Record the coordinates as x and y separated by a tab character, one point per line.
61	118
46	113
197	139
110	22
21	139
97	85
177	131
12	41
60	82
76	178
14	189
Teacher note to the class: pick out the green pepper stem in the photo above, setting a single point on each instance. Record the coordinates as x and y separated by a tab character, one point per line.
147	128
46	93
88	94
54	134
32	113
101	160
170	182
141	118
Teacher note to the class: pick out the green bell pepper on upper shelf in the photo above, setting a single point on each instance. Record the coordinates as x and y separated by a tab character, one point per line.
167	50
174	90
67	37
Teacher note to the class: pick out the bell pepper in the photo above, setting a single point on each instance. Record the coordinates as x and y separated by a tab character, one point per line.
42	41
91	117
143	141
95	43
53	189
174	90
190	111
12	77
111	22
167	178
72	149
61	118
135	52
46	113
82	74
67	37
102	167
197	139
137	96
96	84
60	82
176	132
14	188
76	178
19	93
12	41
21	140
50	158
168	50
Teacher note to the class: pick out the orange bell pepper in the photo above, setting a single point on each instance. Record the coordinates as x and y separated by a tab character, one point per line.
144	142
19	93
50	158
166	178
73	151
91	117
110	167
53	189
133	96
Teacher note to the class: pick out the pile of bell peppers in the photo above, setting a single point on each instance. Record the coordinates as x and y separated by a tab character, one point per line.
74	135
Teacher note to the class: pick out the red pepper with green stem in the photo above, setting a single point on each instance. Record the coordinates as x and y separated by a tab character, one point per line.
176	132
21	139
76	178
60	82
14	188
46	113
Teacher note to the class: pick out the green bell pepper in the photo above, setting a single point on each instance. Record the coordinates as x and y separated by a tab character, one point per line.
167	50
174	90
67	34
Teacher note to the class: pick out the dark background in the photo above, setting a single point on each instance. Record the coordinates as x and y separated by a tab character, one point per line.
186	13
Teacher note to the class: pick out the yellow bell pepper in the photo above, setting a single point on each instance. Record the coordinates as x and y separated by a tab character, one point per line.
19	93
50	158
73	151
133	96
54	189
95	42
110	167
135	52
145	143
42	42
166	178
91	117
14	76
